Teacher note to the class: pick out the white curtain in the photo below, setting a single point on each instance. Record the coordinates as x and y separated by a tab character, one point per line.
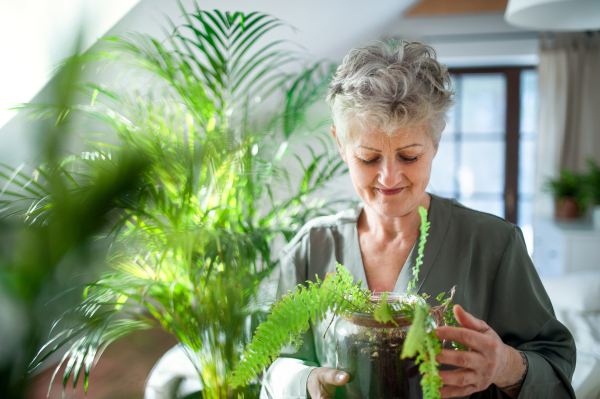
569	108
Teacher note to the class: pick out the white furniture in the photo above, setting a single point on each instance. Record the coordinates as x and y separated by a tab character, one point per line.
565	247
576	301
567	257
173	376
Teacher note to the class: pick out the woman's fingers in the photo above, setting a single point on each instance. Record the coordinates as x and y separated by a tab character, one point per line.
323	381
467	320
473	339
474	333
460	378
484	364
453	391
459	358
333	377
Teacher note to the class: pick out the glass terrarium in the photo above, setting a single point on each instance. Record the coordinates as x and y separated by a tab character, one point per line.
369	351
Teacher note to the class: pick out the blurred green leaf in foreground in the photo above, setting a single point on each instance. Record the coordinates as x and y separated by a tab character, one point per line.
48	221
193	191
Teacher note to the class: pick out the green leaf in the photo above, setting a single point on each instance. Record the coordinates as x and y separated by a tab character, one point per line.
289	317
422	240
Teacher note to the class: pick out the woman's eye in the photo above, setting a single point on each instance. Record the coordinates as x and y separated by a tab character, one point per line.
369	161
409	160
404	159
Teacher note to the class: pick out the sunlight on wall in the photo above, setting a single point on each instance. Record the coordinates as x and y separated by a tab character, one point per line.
37	35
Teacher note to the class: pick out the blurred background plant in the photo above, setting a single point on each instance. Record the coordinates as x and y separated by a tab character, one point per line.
193	192
593	182
574	192
569	194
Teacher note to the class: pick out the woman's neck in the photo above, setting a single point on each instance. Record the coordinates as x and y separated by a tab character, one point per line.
392	227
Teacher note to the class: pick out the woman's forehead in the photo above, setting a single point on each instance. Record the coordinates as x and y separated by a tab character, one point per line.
398	138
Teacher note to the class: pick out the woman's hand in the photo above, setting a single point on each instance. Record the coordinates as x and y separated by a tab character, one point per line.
489	360
322	382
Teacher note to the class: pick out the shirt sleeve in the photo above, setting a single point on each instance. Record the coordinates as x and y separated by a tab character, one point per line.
287	376
522	315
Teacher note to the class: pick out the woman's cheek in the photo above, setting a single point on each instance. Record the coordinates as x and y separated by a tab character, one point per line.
361	174
423	173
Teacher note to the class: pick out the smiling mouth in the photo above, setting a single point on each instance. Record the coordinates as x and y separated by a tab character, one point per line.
390	192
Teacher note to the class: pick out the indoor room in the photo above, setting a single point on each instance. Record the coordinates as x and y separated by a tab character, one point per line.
274	199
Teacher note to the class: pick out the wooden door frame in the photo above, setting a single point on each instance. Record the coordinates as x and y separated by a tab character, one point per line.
512	129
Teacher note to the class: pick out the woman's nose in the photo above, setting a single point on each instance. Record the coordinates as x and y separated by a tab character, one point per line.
390	174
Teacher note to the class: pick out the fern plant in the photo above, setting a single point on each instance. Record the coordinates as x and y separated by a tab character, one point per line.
193	236
290	317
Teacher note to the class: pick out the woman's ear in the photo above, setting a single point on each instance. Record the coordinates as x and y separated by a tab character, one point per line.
337	140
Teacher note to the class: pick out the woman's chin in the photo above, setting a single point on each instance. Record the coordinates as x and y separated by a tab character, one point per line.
393	207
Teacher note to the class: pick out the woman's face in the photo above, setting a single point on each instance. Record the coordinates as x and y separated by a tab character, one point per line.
390	174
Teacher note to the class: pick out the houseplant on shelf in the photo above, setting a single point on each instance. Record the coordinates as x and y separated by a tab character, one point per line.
592	183
569	194
194	239
337	295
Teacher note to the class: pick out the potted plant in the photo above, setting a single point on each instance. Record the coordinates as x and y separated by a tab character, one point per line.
378	340
370	352
569	195
592	183
193	238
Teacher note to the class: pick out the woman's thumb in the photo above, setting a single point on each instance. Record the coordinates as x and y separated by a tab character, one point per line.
335	377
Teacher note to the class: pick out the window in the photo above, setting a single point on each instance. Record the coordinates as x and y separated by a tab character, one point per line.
486	158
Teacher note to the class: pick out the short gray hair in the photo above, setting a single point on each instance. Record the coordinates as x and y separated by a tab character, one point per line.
390	86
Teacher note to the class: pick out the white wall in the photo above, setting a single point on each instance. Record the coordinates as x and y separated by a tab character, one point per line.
41	33
326	29
476	40
37	35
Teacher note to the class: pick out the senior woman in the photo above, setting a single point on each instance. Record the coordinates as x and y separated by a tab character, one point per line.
389	108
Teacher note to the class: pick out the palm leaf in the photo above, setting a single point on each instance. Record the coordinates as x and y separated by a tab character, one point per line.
194	232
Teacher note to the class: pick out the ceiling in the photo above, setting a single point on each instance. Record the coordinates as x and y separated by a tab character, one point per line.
37	34
329	28
424	8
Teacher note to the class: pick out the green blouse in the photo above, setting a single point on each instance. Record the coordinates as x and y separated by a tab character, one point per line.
483	255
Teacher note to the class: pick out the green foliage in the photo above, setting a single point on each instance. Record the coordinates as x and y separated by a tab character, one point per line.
383	313
414	342
192	236
36	255
583	187
422	342
569	184
592	181
424	228
290	316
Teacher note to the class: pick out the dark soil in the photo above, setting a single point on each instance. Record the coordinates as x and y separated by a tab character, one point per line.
372	359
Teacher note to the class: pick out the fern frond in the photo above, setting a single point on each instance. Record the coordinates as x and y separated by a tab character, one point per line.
422	343
422	240
429	367
421	340
414	343
290	317
383	313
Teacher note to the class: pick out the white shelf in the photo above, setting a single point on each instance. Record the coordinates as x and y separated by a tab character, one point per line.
564	247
